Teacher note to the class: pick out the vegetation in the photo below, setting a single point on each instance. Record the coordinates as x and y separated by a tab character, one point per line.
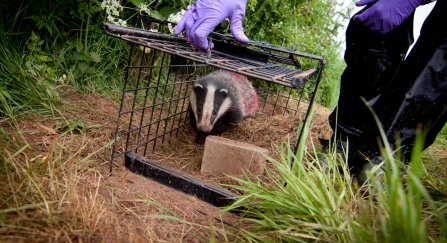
311	202
319	201
61	44
51	48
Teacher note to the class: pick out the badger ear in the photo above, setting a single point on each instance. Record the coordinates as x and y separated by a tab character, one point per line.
224	92
197	86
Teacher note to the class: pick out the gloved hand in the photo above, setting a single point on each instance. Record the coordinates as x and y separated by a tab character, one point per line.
204	15
385	15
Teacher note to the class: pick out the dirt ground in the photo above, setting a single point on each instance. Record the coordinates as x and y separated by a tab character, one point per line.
150	210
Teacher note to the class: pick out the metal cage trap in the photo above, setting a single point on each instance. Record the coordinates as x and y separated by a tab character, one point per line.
158	77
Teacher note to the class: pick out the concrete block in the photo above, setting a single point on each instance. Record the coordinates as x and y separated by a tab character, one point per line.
225	156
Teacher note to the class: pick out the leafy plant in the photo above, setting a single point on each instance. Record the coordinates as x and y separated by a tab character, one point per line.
73	125
38	62
307	27
83	63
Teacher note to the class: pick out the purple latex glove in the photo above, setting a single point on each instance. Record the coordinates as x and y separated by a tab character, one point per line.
385	15
202	17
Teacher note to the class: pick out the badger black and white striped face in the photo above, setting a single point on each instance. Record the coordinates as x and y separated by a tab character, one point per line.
208	104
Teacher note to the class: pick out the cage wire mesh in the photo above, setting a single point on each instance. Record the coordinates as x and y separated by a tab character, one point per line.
161	68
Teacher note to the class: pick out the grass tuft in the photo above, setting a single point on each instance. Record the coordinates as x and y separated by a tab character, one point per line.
304	203
315	202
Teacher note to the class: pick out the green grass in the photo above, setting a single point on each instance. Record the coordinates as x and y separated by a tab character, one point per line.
312	201
22	81
31	79
314	204
325	204
329	89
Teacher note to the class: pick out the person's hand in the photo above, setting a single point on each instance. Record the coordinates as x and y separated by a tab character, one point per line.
385	15
202	17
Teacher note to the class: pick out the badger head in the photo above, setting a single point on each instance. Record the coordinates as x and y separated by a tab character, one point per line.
208	103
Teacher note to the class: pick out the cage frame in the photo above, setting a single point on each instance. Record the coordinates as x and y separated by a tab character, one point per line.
179	46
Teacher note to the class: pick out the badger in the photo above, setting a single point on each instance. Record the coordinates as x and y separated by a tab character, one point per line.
219	101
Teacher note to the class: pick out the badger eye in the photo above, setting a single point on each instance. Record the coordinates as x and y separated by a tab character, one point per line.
199	111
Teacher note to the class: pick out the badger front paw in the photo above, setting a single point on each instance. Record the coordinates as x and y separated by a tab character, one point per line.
200	138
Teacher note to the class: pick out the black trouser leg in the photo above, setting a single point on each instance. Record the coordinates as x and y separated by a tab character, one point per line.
372	60
417	96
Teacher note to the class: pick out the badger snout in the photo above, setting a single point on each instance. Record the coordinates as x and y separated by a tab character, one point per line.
204	128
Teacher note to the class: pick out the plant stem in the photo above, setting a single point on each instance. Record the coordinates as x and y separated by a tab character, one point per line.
88	22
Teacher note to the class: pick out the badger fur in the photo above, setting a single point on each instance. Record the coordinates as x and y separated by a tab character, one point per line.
219	101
